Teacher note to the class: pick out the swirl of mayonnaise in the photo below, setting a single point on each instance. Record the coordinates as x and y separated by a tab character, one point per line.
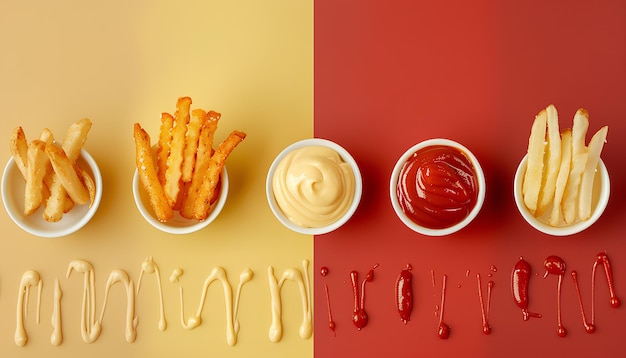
313	186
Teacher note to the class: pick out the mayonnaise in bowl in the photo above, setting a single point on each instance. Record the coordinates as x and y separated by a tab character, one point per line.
313	186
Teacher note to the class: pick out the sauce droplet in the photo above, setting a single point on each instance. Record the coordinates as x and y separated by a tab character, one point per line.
554	265
520	279
359	315
324	271
443	331
404	293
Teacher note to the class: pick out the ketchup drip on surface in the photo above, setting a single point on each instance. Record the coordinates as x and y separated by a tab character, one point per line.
601	259
443	331
359	316
519	286
404	293
484	307
437	187
331	323
554	265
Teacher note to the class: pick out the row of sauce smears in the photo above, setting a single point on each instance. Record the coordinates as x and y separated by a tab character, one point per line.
91	322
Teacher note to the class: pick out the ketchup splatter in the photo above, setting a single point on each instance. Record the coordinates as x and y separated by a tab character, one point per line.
443	331
484	307
324	271
404	293
359	316
554	265
601	259
519	285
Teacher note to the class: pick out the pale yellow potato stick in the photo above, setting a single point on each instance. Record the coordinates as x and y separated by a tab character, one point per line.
552	161
561	180
19	148
570	198
534	164
586	183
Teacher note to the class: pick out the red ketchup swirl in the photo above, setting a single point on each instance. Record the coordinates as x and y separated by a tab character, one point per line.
437	187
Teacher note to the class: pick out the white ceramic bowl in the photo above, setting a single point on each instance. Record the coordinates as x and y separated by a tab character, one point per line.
345	156
601	193
13	186
178	224
393	183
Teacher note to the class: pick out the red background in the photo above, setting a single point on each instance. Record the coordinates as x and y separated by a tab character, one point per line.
389	74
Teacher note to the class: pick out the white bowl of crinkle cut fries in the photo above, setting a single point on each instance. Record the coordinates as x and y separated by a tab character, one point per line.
51	189
180	184
561	185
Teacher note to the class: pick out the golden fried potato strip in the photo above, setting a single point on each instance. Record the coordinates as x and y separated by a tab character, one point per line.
175	160
198	117
534	164
203	200
75	138
203	158
148	175
66	171
586	183
19	148
37	163
164	142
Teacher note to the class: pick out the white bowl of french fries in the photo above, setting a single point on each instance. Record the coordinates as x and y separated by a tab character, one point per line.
562	186
320	192
51	189
180	183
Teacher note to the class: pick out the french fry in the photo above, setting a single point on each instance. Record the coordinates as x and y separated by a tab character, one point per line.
56	203
552	161
203	158
19	148
164	142
579	132
570	198
191	143
586	183
534	165
148	175
88	183
207	189
175	160
561	180
66	171
75	138
36	170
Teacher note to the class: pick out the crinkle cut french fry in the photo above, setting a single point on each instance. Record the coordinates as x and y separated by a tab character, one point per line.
594	150
198	116
534	164
19	149
203	200
175	160
66	171
148	175
203	157
164	142
36	170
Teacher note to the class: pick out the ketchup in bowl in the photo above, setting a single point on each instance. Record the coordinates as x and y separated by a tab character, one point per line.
437	186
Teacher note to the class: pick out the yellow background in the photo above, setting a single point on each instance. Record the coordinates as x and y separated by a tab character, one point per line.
119	62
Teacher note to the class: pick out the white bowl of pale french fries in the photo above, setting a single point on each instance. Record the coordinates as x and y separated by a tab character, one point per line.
51	189
181	183
562	186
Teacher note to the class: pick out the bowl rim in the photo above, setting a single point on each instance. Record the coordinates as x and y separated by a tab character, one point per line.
51	233
395	174
197	225
567	230
345	156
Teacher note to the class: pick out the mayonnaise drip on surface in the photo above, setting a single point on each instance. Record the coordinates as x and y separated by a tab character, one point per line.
219	274
313	186
57	331
150	267
29	278
292	274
